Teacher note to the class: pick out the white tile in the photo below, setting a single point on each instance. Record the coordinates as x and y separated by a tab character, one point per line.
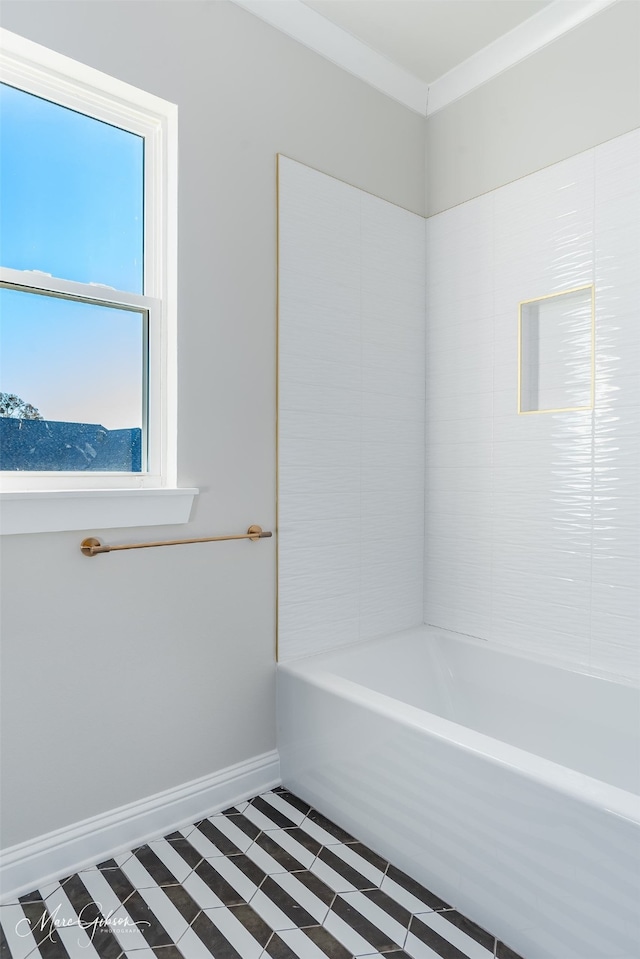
168	915
192	946
620	601
447	544
376	915
372	955
332	878
319	225
17	930
124	927
392	478
615	649
311	578
272	915
48	888
462	456
318	833
147	953
267	863
393	239
280	804
235	932
174	862
391	514
317	310
348	854
344	933
227	868
473	594
617	437
389	620
298	891
400	309
394	437
332	492
617	567
544	228
402	896
465	378
318	385
301	944
550	644
201	893
102	894
226	825
305	390
302	632
135	872
389	563
318	440
450	933
462	429
407	409
312	572
468	531
392	371
533	237
288	842
616	389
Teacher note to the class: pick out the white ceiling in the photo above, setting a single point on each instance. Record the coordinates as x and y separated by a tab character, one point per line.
427	37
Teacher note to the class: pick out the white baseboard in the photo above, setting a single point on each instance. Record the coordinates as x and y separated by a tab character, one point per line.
31	864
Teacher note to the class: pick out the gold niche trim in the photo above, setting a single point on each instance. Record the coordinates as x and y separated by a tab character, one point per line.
549	296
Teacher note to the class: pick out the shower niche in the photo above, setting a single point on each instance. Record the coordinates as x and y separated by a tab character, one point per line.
556	352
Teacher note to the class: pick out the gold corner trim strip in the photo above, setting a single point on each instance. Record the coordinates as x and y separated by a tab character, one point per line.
549	296
277	504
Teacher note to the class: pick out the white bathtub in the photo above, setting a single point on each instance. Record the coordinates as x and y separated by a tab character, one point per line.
507	786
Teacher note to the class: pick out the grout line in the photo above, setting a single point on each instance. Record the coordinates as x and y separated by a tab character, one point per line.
406	935
401	939
190	924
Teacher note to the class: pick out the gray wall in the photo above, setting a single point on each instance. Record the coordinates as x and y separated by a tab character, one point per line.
128	674
579	91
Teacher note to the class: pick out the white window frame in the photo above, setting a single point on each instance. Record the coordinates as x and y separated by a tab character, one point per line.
80	500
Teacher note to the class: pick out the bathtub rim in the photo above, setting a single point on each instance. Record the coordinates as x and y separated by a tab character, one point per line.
576	785
479	642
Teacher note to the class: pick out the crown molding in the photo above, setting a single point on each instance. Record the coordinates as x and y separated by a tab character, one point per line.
346	51
511	48
340	47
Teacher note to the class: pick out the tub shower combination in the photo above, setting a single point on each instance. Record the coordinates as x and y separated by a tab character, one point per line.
467	767
494	755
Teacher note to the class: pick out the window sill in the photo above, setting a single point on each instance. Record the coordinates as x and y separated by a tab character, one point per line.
60	510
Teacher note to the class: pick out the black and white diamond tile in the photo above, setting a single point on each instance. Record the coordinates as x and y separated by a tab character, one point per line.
268	879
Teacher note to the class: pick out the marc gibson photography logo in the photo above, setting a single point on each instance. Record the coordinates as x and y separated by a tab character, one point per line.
50	922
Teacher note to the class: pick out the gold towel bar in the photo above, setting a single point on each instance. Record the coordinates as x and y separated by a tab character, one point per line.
93	546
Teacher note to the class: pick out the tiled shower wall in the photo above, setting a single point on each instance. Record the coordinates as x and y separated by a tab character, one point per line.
351	414
533	522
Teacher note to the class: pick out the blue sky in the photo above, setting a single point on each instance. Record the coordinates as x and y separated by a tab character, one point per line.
72	205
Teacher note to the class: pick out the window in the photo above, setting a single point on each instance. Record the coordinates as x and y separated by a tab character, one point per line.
87	293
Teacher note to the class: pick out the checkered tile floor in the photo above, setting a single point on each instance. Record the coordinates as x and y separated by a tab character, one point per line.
267	878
